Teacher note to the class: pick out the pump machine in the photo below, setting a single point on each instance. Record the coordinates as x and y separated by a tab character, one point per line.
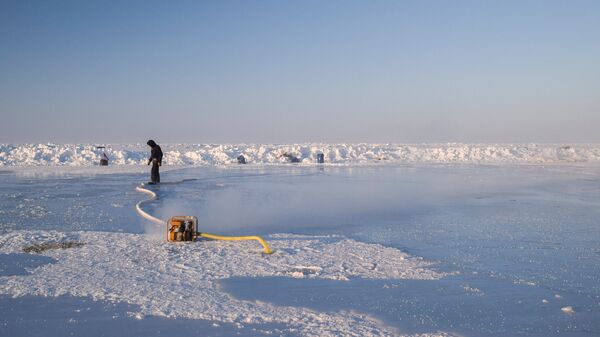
182	228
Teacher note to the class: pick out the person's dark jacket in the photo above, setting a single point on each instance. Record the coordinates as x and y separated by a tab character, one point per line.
155	153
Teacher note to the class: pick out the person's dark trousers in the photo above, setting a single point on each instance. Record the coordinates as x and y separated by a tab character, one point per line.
154	175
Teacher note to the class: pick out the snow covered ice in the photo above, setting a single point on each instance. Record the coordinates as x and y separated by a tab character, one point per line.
434	245
180	280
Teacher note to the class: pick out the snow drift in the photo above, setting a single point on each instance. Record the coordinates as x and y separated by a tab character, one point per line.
341	154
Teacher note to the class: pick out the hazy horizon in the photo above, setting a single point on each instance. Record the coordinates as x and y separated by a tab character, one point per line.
300	72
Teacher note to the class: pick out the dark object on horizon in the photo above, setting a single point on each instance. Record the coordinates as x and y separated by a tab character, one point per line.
320	158
103	156
156	160
291	158
241	159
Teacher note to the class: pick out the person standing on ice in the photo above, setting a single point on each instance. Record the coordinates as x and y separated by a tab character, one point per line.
156	160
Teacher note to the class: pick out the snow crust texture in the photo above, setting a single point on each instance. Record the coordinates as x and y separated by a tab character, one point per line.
341	154
181	279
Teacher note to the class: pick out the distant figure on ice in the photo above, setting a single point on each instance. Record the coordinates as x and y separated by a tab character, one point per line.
104	159
103	156
156	160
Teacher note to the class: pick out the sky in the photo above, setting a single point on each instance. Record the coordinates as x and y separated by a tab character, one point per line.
333	71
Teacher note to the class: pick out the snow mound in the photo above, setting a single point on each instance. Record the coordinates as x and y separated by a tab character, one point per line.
342	154
181	279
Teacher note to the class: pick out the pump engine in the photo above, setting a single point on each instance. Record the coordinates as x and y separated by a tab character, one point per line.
182	228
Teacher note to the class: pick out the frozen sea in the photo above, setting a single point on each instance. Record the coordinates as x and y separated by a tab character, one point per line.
507	250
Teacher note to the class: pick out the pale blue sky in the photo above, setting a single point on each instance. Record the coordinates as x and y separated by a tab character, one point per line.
299	71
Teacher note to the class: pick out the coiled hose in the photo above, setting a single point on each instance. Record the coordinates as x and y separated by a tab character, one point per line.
158	221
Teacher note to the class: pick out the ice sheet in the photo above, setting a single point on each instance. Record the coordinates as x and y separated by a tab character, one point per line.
523	240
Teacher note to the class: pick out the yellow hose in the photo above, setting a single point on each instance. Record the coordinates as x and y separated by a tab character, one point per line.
153	197
239	238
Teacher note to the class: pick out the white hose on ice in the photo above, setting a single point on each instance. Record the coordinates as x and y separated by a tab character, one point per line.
138	206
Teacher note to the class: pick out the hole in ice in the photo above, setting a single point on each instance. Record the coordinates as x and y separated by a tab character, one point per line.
40	247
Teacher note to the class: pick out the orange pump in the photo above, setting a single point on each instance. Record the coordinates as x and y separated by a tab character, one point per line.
182	228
